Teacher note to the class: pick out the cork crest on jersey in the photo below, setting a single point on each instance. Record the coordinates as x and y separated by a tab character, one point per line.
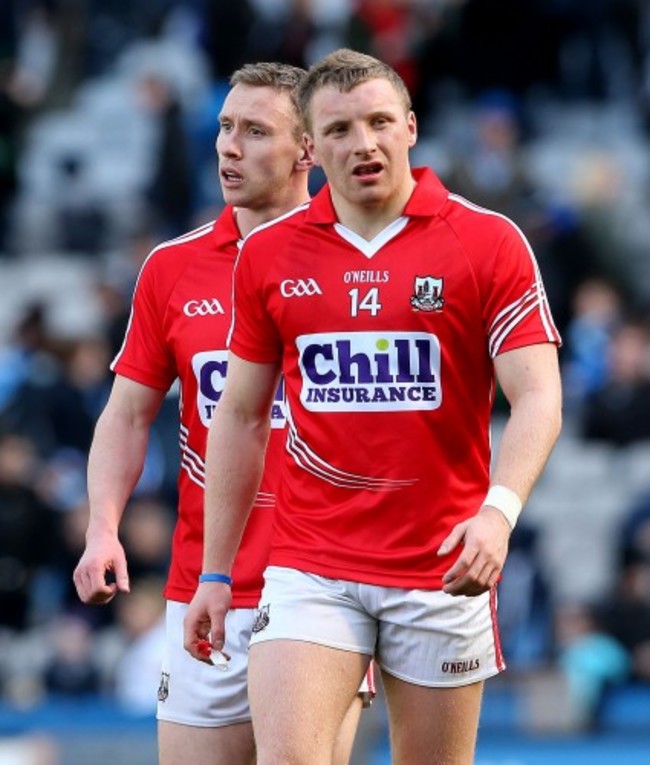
427	294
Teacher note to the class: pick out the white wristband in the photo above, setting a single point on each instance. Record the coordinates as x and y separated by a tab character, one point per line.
506	501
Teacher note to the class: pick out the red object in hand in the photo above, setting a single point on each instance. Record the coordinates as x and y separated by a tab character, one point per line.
204	648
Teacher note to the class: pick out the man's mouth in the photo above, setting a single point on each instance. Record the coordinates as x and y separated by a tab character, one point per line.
368	169
231	177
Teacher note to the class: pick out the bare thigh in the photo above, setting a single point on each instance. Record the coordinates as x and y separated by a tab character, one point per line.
345	738
437	726
226	745
299	694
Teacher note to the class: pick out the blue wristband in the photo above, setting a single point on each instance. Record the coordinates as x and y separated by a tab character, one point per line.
223	578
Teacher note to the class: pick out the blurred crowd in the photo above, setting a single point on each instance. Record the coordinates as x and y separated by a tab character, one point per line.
539	110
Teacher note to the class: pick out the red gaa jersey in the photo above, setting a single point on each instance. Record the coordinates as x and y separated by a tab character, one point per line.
179	322
387	349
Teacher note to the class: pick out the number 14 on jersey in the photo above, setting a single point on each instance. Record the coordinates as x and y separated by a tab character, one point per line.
368	302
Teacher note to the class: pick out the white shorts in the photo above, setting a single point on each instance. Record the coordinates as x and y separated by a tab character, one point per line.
425	637
194	693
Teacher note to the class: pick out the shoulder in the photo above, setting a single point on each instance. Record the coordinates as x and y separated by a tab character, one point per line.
473	223
277	231
172	256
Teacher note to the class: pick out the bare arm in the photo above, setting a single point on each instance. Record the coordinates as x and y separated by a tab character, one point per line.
115	463
234	462
530	380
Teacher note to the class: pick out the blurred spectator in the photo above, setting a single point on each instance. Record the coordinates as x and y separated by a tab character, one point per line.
225	35
38	48
490	168
27	527
635	532
297	33
596	313
494	34
113	297
58	404
595	58
170	193
10	124
146	536
525	609
62	481
71	669
590	659
626	614
387	30
80	217
626	611
28	349
619	412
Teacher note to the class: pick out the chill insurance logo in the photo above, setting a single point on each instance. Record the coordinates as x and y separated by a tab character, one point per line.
210	369
369	371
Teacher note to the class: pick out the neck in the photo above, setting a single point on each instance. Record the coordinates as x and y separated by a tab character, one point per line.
250	218
371	219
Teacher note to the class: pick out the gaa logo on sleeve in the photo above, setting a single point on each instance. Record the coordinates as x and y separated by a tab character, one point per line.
210	369
370	371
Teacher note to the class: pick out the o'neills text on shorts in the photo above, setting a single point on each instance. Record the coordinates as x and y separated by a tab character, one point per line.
458	667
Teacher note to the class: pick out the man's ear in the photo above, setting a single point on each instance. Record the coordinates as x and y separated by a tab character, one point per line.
305	160
413	129
308	147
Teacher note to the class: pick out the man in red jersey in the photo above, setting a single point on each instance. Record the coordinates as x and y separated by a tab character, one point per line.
179	322
392	306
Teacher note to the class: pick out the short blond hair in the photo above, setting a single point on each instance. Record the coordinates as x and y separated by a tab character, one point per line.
344	69
281	77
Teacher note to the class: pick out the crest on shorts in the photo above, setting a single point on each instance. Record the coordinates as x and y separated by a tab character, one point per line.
427	293
262	618
163	688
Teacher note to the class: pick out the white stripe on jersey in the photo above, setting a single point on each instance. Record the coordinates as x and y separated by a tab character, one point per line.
312	463
499	331
509	317
192	463
194	466
280	218
242	242
196	233
265	499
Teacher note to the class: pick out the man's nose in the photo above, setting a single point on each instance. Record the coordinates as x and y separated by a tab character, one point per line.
364	139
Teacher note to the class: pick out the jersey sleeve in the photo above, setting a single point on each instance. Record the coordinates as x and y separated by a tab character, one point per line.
516	310
254	335
144	356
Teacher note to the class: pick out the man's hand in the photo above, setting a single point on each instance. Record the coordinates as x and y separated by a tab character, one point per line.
102	554
205	620
485	540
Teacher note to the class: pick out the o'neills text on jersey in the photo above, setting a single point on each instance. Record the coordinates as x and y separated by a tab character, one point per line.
366	277
370	371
